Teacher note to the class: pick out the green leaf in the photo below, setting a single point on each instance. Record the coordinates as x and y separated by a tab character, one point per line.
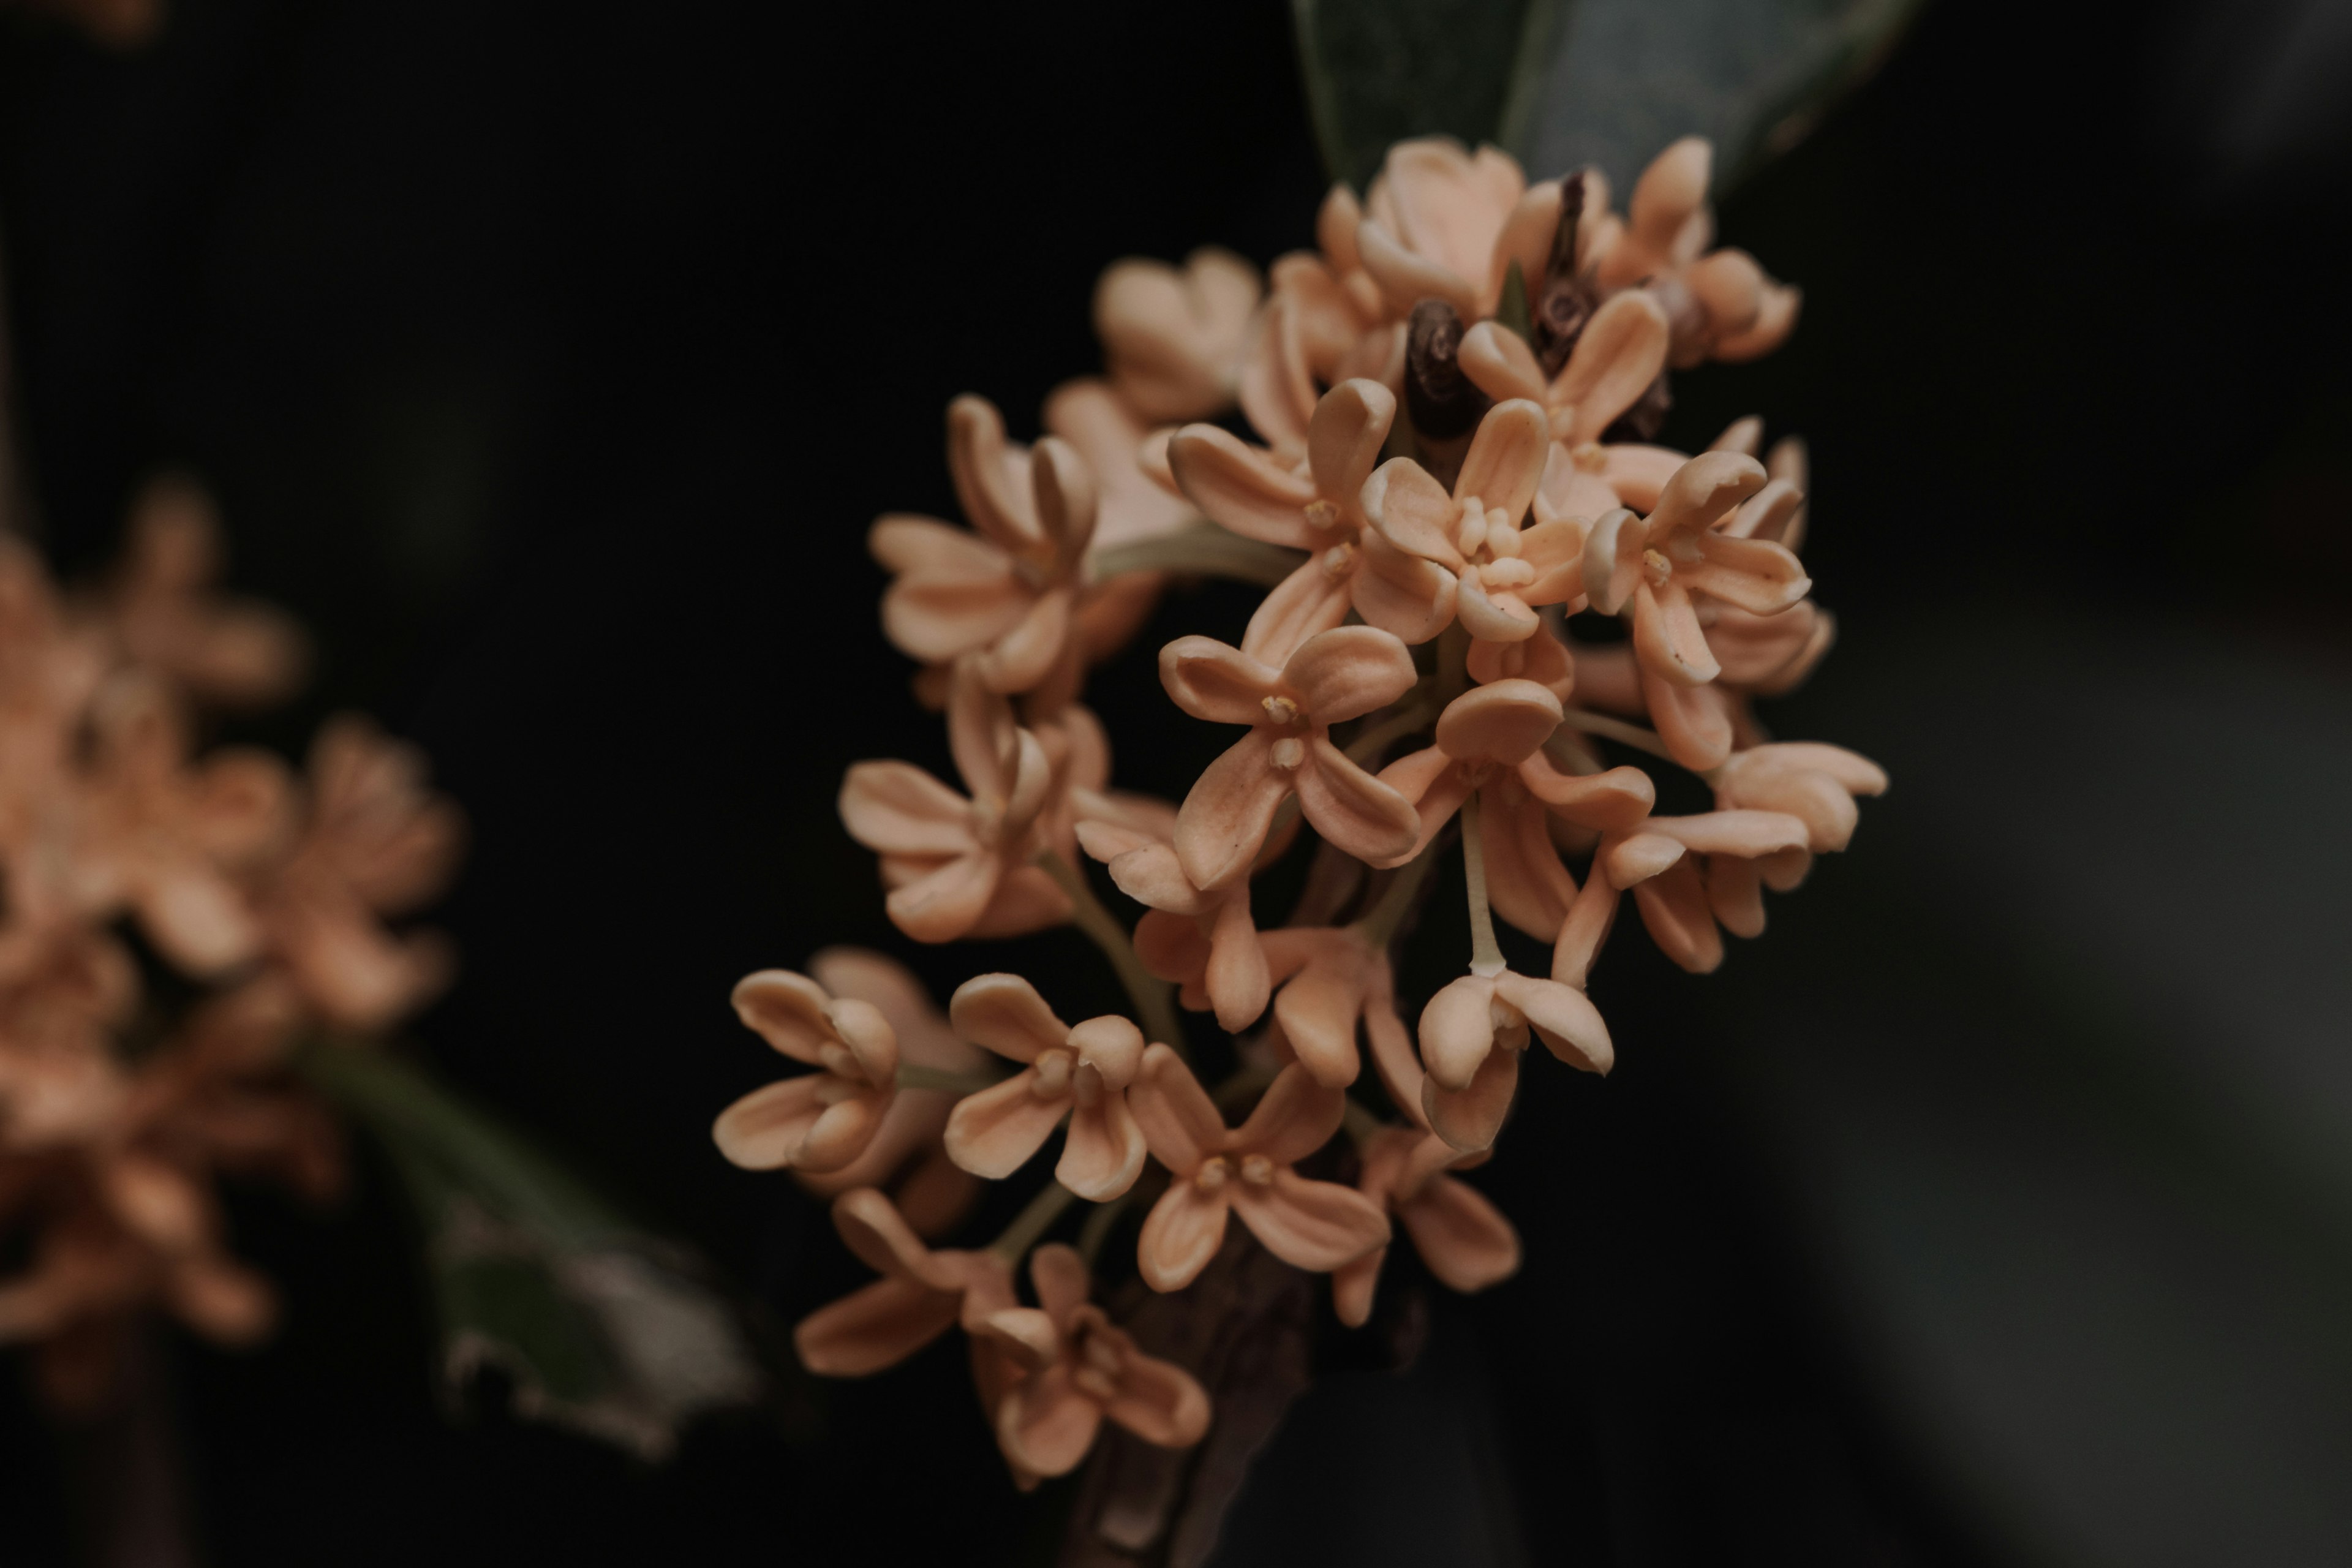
601	1326
1380	71
1563	83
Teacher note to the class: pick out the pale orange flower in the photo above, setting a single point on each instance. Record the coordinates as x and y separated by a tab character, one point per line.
1500	571
1442	222
1618	354
1464	1238
1080	1369
1814	782
1204	941
167	838
1006	591
377	842
1688	873
1472	1034
1658	569
1331	979
1174	336
820	1121
1215	1171
1082	1072
1723	304
960	867
1335	675
1321	510
907	1154
922	1294
236	653
1137	499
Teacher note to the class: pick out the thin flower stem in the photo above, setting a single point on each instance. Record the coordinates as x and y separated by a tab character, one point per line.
1033	1222
1379	924
1153	997
1616	730
911	1076
1415	713
1097	1230
1204	548
1486	954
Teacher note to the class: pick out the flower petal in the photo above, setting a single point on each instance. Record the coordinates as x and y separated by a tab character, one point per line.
1346	673
1618	354
1343	441
1409	598
1500	364
946	902
1294	1118
897	808
1046	1425
1181	1233
1470	1118
1319	1009
1159	1401
1695	722
1224	819
1667	636
1761	577
1212	680
1104	1152
1506	461
996	1131
1312	599
1463	1237
1702	491
1353	810
1414	511
1457	1031
1674	908
1562	1017
1237	978
869	1330
1005	1014
1244	488
1502	722
1179	1121
1314	1226
787	1010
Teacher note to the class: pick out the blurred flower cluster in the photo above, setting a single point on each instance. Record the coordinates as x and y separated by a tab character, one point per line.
1483	578
175	921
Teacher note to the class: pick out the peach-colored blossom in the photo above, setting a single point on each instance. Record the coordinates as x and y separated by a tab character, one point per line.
1463	1237
1472	1034
1204	941
820	1121
1078	1369
1335	675
1500	571
922	1294
1215	1171
1658	569
1442	222
907	1157
1319	510
1081	1072
960	867
376	842
1689	873
234	652
1814	782
1174	336
1005	591
1331	979
1724	306
1128	459
1617	355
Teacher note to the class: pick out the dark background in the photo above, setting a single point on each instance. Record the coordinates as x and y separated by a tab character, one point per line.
549	362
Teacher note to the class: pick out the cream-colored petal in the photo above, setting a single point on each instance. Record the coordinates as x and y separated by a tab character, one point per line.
1457	1031
1159	1401
1345	673
1701	492
1104	1152
1735	895
898	809
1525	237
787	1010
1502	724
1673	909
1500	364
1353	810
1414	511
1611	568
1294	1118
861	1027
1353	1286
1506	461
1638	856
763	1131
991	477
1004	1014
1610	802
841	1131
1315	1225
1311	600
1638	474
1619	353
1584	931
1212	680
1562	1017
1225	817
1343	440
1181	1233
1026	900
1470	1118
1066	497
1756	575
1695	722
1237	979
1045	1427
946	902
1319	1009
1392	1052
1667	636
994	1132
870	1329
1776	318
1747	833
1407	597
1179	1121
1243	488
1152	875
1406	278
1526	883
1463	1237
1027	653
1502	618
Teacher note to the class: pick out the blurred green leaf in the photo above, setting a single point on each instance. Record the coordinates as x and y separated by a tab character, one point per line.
1562	83
602	1327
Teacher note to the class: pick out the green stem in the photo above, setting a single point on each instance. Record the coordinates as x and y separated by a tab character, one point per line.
1616	730
1154	998
1203	549
1034	1222
1486	954
1379	924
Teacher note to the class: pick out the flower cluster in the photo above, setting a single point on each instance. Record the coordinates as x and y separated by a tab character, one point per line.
1482	571
172	922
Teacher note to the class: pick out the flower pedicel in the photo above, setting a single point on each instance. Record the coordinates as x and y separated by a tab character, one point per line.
1456	398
